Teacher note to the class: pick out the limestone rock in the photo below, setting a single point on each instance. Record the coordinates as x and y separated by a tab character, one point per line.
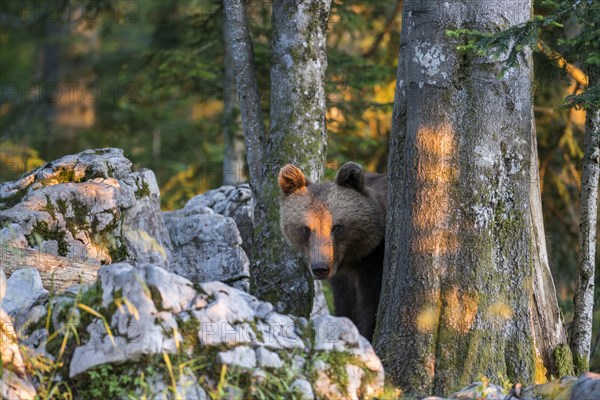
303	389
268	359
90	206
229	201
241	356
151	293
586	387
478	390
207	247
2	285
154	315
23	288
15	383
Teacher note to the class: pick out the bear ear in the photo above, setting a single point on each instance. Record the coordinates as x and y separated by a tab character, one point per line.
351	175
291	179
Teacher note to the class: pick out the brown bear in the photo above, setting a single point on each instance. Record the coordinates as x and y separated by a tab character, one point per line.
339	227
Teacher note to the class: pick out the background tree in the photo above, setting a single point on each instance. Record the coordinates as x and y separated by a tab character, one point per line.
233	137
457	299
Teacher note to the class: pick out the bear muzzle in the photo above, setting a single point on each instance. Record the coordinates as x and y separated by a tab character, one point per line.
320	270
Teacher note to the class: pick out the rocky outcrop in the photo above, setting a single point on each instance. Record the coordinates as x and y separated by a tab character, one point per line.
207	246
235	202
208	337
90	206
94	208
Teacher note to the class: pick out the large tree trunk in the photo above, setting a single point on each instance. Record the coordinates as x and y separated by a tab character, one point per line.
581	331
459	297
297	135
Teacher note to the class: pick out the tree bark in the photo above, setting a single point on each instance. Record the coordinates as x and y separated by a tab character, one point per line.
462	279
233	138
581	330
253	124
297	135
547	324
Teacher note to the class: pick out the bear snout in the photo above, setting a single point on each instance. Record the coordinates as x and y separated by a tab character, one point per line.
320	270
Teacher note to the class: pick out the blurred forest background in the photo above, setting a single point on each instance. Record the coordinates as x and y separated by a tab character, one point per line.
150	76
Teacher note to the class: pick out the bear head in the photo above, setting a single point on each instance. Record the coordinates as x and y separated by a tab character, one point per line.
334	224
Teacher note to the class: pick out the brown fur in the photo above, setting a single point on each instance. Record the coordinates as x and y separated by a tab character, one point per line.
311	217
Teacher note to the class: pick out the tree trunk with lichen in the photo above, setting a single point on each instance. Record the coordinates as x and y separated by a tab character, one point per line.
581	330
464	272
233	138
297	135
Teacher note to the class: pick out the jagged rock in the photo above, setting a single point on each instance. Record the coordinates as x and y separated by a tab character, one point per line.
268	359
23	288
89	206
303	389
230	201
155	314
92	208
15	383
207	247
241	356
586	387
150	299
558	389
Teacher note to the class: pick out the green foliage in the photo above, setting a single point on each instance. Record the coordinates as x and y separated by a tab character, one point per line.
103	381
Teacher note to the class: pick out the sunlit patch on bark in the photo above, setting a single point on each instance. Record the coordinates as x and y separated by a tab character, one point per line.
428	318
500	310
435	172
460	310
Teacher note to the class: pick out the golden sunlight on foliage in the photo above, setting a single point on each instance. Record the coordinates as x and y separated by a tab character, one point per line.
207	109
182	186
17	159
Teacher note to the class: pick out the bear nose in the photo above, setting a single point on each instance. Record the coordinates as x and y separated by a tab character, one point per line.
320	270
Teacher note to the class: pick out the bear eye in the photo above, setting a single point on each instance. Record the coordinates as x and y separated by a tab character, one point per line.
305	231
337	229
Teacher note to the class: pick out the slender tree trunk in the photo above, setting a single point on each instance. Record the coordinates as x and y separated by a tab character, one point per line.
297	135
459	297
581	331
547	324
253	124
233	138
